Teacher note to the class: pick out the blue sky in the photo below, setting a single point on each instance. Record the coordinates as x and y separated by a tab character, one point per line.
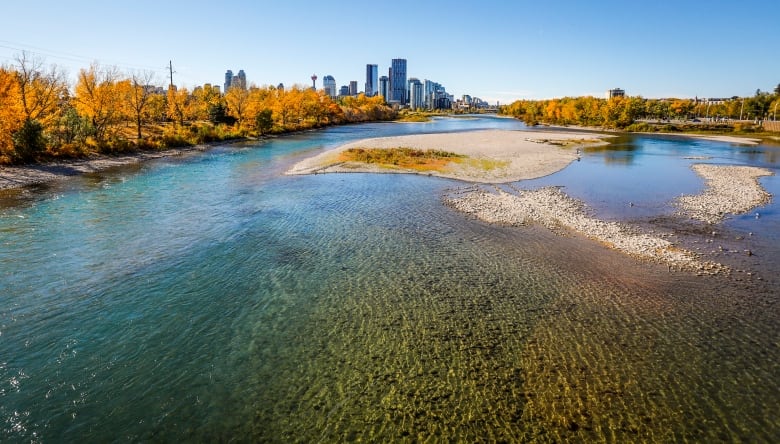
496	50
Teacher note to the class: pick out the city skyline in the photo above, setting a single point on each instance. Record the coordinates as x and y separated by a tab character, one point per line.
496	50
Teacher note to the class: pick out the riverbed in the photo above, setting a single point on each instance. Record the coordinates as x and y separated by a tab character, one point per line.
211	297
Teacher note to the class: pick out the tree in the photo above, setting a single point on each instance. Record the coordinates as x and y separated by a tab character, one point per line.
202	99
237	100
264	121
41	90
11	113
99	98
138	96
29	141
178	103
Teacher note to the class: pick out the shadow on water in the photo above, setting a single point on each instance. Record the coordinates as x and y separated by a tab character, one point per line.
621	150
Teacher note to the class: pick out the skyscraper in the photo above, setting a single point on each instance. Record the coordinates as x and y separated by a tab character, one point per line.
353	90
329	84
398	81
228	79
416	98
241	79
383	84
372	74
232	81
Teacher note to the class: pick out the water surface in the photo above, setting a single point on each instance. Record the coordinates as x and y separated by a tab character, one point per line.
212	298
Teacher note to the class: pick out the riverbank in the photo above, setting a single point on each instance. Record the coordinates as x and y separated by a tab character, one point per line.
490	156
17	176
737	140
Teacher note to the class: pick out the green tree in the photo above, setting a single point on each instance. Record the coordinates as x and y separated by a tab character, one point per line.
29	142
264	121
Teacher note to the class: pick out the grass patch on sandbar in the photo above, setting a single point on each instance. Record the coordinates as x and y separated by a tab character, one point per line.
402	157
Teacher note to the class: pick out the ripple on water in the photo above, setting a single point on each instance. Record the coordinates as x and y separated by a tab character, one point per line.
195	301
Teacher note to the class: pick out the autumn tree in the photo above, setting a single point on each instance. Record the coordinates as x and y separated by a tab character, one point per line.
237	101
138	98
203	98
11	113
41	90
98	97
178	104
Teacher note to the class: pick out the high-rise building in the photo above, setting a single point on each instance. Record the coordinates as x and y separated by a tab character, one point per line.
617	92
241	79
344	91
434	93
372	78
416	97
353	91
232	81
329	84
398	81
228	79
383	84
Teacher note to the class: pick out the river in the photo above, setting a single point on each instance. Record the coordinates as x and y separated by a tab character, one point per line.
212	298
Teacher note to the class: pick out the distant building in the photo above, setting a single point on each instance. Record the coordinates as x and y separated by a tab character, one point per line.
353	89
436	96
384	82
397	88
329	84
241	79
228	79
617	92
372	80
416	97
237	81
344	91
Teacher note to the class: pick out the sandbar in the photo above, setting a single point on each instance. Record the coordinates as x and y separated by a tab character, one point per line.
729	190
493	156
552	208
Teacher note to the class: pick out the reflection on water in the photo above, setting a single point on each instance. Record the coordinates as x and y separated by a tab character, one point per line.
209	298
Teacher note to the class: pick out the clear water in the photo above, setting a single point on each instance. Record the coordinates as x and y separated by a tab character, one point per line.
212	298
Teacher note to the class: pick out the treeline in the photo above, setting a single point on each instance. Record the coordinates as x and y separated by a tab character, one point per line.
623	112
42	116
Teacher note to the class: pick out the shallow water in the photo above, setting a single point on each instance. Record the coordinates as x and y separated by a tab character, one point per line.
212	298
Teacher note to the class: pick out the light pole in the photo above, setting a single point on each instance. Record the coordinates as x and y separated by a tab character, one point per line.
775	113
742	109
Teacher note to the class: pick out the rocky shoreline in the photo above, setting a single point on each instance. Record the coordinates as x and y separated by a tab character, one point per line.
25	175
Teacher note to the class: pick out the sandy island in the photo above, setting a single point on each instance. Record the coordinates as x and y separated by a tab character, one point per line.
492	156
525	155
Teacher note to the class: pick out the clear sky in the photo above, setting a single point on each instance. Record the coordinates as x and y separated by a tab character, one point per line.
496	50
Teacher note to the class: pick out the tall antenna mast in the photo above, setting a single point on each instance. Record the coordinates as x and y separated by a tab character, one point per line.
170	68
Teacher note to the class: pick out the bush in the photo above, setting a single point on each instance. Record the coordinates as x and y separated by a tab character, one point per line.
640	127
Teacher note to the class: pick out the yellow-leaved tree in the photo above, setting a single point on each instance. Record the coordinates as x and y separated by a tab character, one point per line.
99	98
11	113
